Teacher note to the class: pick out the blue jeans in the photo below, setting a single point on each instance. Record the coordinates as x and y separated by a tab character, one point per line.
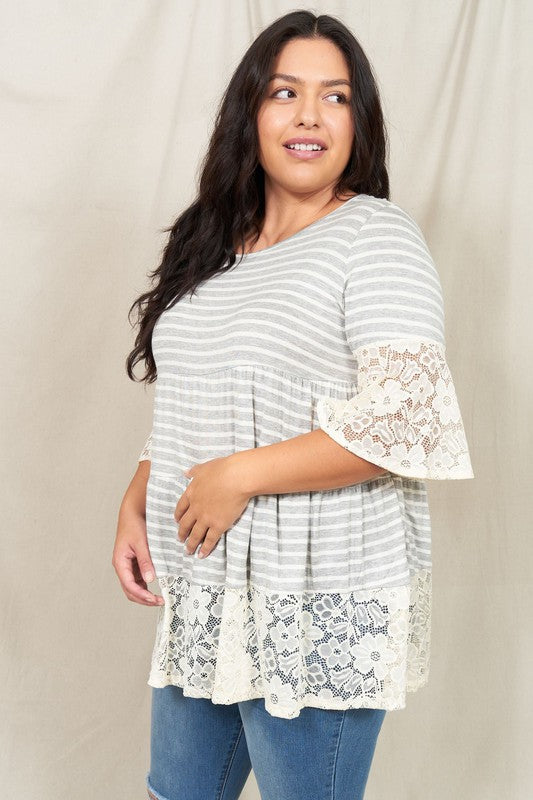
204	751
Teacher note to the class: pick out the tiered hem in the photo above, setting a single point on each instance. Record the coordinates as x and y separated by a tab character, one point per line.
333	650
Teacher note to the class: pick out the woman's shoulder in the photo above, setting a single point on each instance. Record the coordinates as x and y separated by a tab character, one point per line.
384	219
377	208
390	243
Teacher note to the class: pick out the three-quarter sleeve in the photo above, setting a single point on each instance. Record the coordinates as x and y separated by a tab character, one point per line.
405	415
146	452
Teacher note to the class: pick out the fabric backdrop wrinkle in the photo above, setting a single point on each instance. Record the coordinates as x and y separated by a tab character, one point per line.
107	112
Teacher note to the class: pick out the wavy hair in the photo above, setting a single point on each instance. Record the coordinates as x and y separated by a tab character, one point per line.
230	204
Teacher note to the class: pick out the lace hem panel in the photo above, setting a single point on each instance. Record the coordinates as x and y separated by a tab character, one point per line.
146	452
405	416
338	650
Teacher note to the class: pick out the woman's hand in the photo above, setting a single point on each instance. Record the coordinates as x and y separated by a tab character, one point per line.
211	503
131	556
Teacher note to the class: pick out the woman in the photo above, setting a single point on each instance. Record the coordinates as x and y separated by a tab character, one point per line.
302	400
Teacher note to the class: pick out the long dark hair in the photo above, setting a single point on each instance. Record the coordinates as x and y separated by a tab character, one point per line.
230	202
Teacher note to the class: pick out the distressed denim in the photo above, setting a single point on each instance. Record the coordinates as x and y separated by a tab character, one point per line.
201	750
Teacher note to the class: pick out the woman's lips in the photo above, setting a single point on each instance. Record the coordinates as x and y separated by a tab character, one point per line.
304	154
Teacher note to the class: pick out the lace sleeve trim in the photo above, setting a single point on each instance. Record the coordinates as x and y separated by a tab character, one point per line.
146	452
405	416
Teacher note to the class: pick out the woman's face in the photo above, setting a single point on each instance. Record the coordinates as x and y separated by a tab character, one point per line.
304	108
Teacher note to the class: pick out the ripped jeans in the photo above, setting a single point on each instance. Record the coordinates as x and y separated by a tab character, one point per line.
201	750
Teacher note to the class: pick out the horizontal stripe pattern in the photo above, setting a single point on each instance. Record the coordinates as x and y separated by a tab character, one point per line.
243	362
293	543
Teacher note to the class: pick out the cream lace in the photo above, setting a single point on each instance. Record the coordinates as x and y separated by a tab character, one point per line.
405	416
357	649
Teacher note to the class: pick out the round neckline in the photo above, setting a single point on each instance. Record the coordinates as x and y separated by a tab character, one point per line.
306	228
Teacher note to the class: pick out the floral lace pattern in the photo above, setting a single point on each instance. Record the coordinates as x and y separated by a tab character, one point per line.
359	649
405	416
146	452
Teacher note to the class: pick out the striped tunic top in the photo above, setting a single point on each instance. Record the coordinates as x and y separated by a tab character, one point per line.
315	598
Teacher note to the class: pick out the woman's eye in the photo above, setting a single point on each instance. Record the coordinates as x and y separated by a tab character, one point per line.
341	95
343	98
281	90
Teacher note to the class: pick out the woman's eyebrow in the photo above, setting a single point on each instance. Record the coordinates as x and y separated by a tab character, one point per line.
294	79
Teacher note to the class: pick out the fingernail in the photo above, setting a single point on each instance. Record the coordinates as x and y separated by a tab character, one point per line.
200	554
148	576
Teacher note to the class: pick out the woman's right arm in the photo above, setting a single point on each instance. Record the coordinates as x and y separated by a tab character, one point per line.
131	556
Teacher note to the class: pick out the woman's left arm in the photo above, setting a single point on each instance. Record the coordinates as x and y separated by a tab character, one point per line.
221	488
404	417
310	462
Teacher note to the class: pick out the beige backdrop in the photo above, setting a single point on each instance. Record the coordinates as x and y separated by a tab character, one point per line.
107	109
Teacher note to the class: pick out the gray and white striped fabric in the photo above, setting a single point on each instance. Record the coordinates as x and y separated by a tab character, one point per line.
340	326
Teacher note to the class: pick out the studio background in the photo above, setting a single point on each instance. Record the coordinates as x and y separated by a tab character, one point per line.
106	113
